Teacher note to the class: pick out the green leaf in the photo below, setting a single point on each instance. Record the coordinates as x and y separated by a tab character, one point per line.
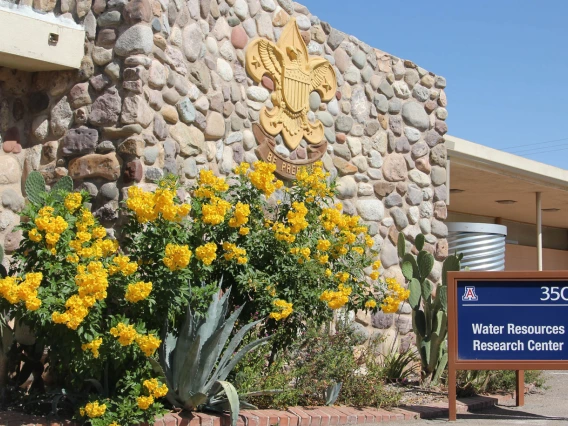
440	368
407	270
427	289
63	184
419	242
401	245
420	321
237	357
233	398
425	264
414	298
439	319
442	295
412	260
194	401
425	351
332	393
35	187
452	263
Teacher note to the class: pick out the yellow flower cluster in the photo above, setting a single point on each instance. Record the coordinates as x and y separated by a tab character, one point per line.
35	236
283	233
148	344
336	299
284	309
155	389
297	217
232	252
240	216
303	252
397	295
125	333
123	265
370	304
93	346
207	253
85	221
73	201
375	274
83	244
93	410
348	228
214	212
209	184
323	245
148	206
144	402
242	169
14	290
176	256
314	180
92	282
263	178
137	291
52	226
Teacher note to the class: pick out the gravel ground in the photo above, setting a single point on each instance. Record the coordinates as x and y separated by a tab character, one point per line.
543	407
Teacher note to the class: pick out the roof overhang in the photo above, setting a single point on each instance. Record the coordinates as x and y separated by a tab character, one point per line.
32	43
487	175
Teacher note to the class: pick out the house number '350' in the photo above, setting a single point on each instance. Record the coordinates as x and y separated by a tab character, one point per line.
554	293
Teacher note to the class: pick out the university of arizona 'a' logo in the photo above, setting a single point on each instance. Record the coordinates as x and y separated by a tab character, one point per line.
469	295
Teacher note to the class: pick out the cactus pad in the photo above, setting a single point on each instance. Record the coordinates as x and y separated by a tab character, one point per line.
63	184
35	187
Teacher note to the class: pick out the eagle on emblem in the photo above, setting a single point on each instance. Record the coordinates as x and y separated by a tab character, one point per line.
295	75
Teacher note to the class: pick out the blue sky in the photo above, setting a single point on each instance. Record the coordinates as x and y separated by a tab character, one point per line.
505	62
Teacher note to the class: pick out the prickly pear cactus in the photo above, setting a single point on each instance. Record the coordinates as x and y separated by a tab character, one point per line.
35	187
62	186
429	312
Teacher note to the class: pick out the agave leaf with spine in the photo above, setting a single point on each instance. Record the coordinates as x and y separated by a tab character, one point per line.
196	363
332	393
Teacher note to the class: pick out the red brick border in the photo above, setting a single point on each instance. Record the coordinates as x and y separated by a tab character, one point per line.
293	416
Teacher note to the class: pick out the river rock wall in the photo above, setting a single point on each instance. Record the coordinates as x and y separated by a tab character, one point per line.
163	89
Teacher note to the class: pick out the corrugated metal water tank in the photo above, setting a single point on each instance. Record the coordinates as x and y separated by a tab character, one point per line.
482	245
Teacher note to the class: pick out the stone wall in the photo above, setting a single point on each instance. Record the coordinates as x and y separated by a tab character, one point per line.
163	88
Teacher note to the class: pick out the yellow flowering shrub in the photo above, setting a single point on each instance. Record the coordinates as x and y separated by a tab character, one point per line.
289	252
87	299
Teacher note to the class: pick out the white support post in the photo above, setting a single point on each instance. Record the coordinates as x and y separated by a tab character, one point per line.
539	230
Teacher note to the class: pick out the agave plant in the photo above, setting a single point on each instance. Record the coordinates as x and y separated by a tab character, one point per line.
195	366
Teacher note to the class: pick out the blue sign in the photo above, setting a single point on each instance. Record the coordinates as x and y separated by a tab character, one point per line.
512	320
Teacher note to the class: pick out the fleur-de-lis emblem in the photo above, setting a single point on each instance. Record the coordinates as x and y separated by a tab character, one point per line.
295	76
